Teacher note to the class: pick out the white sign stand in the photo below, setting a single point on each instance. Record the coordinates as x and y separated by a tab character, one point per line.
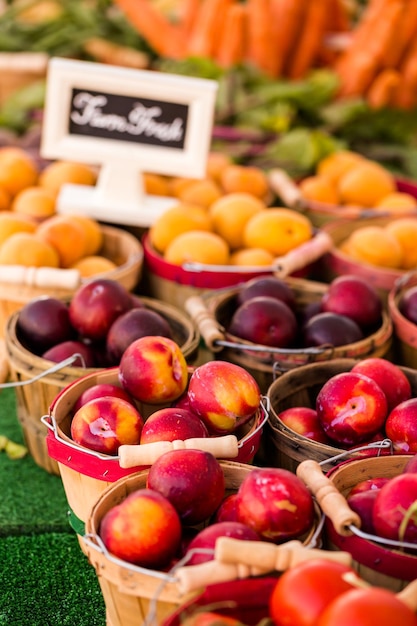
126	122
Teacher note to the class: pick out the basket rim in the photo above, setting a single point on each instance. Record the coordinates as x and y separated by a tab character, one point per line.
106	467
120	489
381	336
375	555
201	278
284	432
403	327
128	272
39	364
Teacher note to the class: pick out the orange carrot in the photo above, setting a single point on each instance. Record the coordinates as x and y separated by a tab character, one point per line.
340	18
406	95
310	40
111	53
259	52
232	45
162	35
361	65
337	23
188	14
382	91
358	76
362	33
207	29
407	31
286	21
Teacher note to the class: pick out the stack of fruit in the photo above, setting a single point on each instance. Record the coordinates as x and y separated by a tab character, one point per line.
378	528
190	501
346	180
50	342
331	409
269	324
131	414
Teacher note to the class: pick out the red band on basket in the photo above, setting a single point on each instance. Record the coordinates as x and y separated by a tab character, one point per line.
85	463
383	560
199	279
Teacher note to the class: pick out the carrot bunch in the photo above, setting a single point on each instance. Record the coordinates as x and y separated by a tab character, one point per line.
380	62
282	38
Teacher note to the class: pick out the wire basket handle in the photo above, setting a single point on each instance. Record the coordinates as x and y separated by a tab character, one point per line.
77	356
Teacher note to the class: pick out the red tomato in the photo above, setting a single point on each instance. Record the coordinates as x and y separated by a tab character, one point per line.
367	607
302	592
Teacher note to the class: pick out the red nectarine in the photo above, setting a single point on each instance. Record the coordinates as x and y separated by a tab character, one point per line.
154	370
192	480
275	503
351	408
224	395
389	376
143	529
103	424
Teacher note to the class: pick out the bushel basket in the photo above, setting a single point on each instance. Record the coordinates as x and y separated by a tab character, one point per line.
39	381
378	561
85	473
135	595
299	387
212	314
119	246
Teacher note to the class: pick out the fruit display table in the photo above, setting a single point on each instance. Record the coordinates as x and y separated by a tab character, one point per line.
45	578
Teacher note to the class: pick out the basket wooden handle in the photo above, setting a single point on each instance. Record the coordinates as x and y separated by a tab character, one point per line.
303	255
205	322
225	447
45	277
262	554
331	501
192	577
284	186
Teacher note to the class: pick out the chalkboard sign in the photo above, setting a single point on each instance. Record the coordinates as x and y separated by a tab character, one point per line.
126	122
126	118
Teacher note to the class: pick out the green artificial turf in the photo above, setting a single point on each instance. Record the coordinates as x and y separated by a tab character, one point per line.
45	579
31	499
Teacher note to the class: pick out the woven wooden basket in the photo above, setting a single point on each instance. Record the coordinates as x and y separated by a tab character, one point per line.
321	213
336	263
404	331
84	473
41	386
135	594
300	387
119	246
375	560
212	313
175	284
245	600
